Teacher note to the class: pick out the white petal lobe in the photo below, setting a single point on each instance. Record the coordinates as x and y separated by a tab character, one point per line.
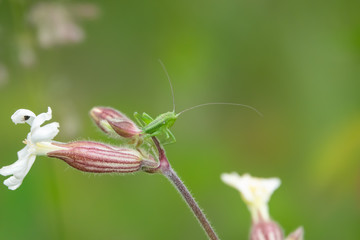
13	183
17	166
256	192
23	116
45	133
41	118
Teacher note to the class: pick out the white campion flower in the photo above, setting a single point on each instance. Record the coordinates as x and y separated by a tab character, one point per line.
256	192
38	142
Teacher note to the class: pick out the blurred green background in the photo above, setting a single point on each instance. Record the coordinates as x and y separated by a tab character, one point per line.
298	62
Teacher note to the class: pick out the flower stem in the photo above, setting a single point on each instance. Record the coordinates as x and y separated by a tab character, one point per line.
179	185
165	168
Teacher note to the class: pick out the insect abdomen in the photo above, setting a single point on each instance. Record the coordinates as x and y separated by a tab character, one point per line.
163	120
154	126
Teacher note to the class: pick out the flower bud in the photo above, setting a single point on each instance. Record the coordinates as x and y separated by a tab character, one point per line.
112	121
298	234
99	158
266	230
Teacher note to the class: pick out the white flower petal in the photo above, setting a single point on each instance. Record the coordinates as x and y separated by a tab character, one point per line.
269	186
45	133
256	192
23	116
18	178
38	142
19	165
23	153
40	119
18	169
231	179
13	182
251	188
240	183
29	163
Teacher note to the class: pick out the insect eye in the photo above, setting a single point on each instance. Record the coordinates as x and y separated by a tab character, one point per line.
26	117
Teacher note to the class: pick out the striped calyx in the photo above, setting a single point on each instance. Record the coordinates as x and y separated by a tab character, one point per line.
98	157
266	230
298	234
113	122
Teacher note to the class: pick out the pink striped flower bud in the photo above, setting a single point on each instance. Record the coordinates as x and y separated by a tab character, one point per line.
266	230
100	158
298	234
113	122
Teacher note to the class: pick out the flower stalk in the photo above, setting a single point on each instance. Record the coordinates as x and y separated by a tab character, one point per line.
165	169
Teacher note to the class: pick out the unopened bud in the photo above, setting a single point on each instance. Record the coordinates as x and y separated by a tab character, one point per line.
112	121
99	158
298	234
266	230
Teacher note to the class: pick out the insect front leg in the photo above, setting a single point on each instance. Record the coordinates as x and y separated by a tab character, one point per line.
170	138
157	133
167	139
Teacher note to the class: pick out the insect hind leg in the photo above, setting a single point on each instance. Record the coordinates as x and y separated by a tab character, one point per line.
138	119
143	119
147	118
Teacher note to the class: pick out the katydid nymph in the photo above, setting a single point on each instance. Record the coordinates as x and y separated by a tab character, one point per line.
161	124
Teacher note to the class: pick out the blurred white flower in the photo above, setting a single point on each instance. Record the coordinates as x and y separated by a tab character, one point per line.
56	23
38	142
256	192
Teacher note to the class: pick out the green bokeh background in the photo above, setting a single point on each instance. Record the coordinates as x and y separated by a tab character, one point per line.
298	62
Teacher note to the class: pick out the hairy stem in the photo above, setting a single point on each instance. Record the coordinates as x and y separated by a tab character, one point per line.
165	168
179	185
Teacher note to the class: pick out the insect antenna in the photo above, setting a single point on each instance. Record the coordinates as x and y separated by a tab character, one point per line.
221	103
168	77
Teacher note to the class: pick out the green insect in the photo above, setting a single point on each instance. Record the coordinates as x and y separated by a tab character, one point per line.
160	126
